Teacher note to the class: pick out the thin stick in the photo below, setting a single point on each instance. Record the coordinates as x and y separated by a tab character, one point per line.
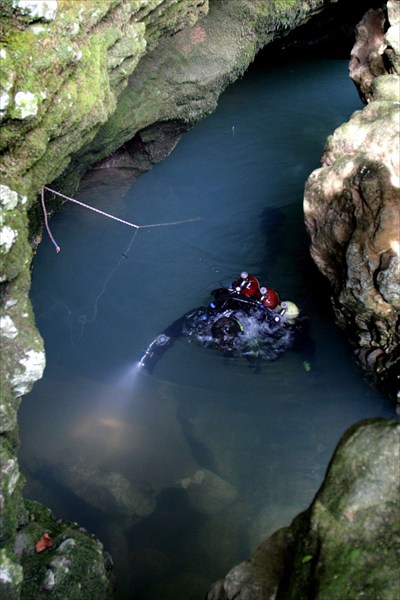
101	212
46	222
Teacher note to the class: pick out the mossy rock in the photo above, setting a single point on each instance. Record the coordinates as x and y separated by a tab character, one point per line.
11	501
74	567
347	544
10	575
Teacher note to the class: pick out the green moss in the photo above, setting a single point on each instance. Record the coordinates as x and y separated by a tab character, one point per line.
351	571
92	84
11	575
20	253
13	508
84	96
15	295
346	544
283	5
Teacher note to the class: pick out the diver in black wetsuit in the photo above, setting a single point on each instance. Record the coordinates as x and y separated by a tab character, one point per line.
242	320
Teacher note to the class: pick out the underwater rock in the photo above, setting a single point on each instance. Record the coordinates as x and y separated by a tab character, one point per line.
257	578
207	492
110	492
330	551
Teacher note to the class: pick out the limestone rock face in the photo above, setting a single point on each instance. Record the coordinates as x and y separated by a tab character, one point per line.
330	551
367	55
352	213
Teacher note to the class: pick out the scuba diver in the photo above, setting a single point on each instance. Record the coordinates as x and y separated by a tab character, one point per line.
241	320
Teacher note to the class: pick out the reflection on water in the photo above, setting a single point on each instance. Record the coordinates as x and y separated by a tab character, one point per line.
181	473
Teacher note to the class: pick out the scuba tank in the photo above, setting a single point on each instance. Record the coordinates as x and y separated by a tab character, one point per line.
269	298
248	285
289	310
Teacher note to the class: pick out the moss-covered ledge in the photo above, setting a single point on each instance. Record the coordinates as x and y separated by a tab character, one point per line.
182	79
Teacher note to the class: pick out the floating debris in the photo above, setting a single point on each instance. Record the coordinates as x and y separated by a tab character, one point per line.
44	543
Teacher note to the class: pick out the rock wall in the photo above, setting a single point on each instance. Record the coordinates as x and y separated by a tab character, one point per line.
351	204
181	80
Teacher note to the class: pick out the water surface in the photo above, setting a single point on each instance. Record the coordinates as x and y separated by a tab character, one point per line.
183	472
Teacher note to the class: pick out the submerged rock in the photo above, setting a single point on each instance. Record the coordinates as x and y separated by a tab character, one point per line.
110	492
207	492
346	544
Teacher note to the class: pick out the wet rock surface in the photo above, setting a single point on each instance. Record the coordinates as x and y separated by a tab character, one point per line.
377	49
110	492
351	207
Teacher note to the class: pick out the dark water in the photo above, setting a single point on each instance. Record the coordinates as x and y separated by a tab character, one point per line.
183	472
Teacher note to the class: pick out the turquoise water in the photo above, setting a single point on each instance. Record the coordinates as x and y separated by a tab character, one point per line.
183	472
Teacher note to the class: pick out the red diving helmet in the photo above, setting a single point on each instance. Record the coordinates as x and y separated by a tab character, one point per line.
269	298
247	285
